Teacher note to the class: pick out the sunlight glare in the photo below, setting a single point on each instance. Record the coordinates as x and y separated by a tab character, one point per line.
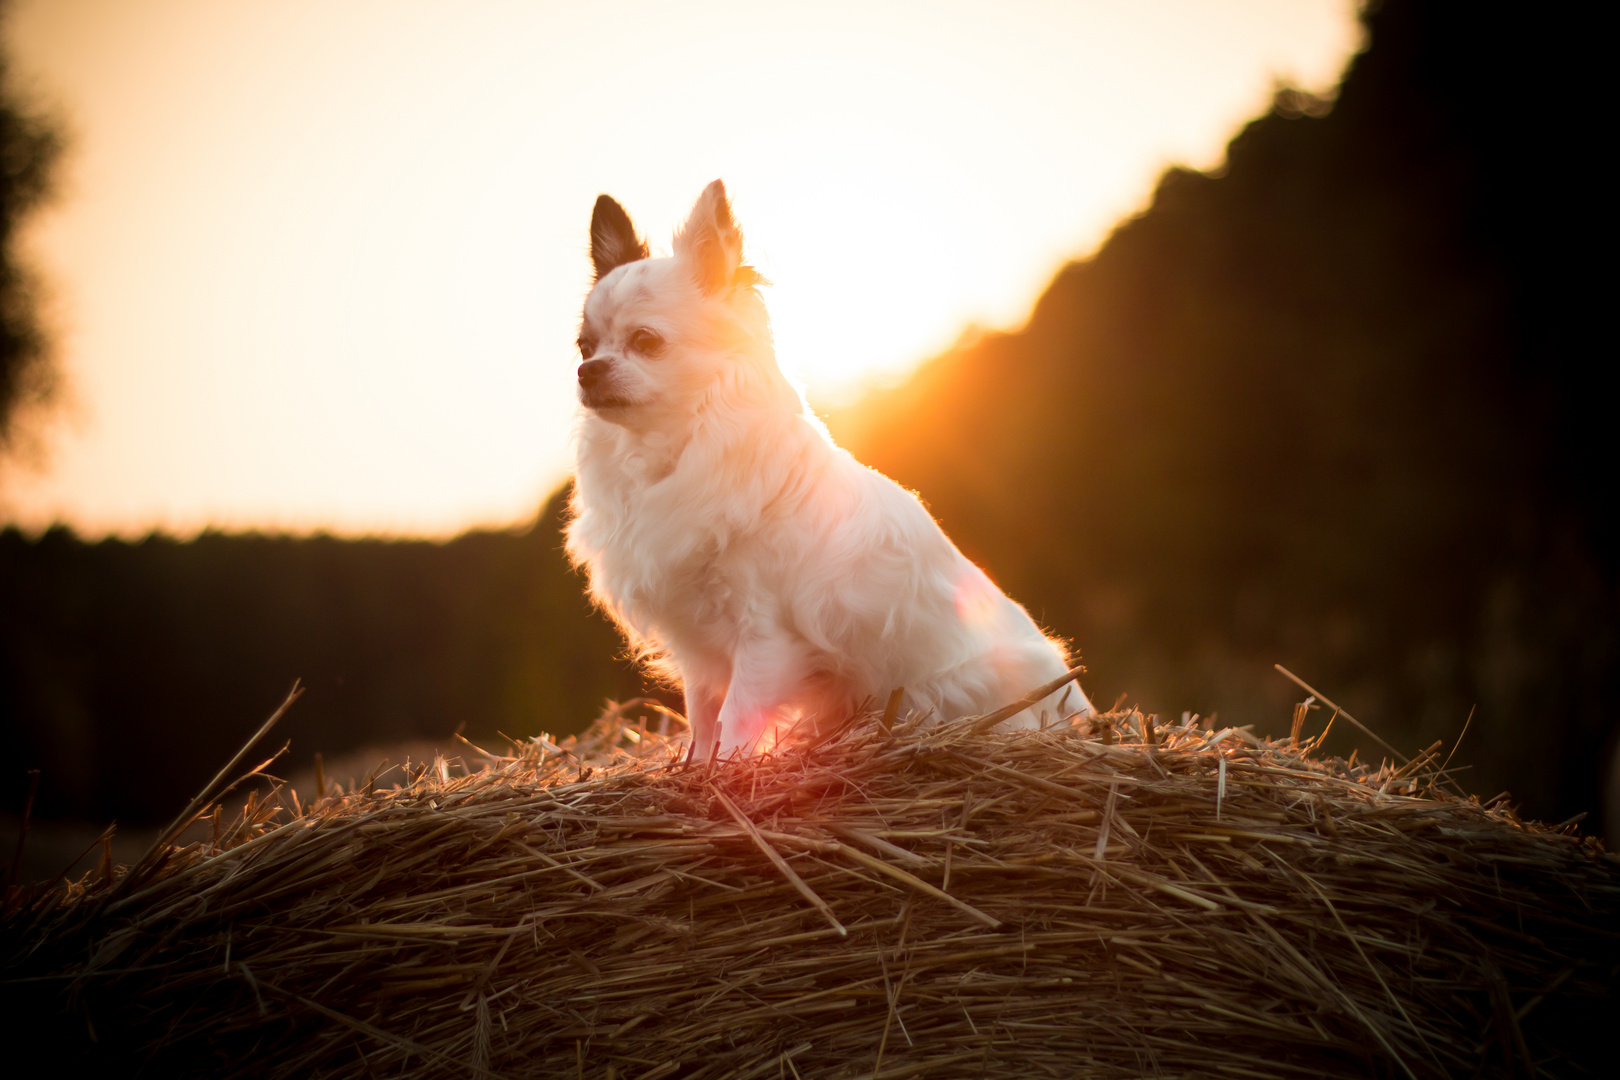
317	264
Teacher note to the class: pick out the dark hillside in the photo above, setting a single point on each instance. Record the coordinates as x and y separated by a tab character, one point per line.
1334	407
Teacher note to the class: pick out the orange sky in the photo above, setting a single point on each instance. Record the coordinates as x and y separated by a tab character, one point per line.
316	264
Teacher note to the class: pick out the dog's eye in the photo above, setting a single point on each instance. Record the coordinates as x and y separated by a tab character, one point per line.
647	342
586	348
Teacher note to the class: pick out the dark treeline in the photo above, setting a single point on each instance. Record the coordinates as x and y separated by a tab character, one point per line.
1340	406
129	672
1333	407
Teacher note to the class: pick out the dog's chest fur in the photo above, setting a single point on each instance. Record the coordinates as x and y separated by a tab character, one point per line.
663	557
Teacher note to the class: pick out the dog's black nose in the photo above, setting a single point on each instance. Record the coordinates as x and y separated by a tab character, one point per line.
592	372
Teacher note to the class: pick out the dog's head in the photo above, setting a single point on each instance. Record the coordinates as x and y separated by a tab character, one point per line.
658	335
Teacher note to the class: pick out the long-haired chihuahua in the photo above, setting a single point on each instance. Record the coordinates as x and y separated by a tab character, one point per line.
745	556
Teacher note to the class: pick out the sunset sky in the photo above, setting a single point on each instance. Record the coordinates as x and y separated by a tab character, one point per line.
317	264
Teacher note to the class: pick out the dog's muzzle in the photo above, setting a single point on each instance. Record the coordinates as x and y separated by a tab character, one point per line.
596	385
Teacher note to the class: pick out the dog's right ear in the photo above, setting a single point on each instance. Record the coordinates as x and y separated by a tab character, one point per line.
613	237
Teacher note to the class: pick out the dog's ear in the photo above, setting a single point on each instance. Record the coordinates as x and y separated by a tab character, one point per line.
710	241
613	237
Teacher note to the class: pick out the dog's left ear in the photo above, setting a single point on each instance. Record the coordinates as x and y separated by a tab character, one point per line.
613	237
710	240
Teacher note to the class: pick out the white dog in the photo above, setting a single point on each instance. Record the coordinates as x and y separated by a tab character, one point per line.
741	552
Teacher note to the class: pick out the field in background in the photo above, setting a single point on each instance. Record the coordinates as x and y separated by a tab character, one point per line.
129	672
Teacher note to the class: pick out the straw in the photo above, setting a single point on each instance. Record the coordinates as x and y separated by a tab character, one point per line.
903	899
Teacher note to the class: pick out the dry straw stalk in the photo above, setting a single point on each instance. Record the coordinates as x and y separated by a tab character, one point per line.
902	900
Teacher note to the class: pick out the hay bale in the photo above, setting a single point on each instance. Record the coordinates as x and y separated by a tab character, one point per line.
902	900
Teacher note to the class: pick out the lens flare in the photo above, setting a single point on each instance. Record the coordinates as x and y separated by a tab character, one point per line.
976	599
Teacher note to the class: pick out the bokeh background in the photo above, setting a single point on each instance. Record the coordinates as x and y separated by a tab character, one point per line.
1222	335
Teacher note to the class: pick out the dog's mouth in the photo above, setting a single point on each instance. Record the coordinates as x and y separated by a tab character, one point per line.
600	398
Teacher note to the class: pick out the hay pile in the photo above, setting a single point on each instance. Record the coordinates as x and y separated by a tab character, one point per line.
903	900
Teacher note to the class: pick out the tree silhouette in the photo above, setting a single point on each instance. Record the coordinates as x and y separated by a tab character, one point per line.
29	148
1336	406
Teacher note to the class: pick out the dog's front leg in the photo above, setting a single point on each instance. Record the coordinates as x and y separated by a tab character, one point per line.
702	710
766	676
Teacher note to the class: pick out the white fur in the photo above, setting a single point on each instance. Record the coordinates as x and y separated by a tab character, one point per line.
743	554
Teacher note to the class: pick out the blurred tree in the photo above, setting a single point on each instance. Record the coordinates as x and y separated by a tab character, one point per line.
1333	406
29	148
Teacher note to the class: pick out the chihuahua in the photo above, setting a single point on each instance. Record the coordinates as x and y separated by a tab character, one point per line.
744	555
